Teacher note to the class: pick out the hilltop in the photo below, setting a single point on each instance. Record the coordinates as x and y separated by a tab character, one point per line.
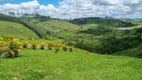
107	22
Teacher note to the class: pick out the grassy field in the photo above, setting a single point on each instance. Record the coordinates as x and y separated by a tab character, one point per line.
89	26
50	29
46	65
138	22
63	24
16	30
55	24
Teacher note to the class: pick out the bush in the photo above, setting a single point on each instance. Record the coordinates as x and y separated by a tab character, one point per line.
71	49
14	46
42	46
7	53
34	45
25	45
10	49
57	49
65	48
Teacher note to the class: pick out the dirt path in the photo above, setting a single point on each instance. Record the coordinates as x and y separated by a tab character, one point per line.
128	28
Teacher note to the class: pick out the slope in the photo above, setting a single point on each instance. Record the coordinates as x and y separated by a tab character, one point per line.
134	52
8	18
16	30
101	22
46	65
49	27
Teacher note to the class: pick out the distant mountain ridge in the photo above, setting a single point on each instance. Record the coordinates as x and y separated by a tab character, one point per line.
107	21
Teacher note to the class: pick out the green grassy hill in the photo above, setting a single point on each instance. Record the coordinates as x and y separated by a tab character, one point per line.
16	30
138	22
8	18
102	22
62	24
42	26
134	52
49	28
46	65
54	24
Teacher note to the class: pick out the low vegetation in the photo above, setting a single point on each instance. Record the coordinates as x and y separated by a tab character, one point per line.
46	65
10	47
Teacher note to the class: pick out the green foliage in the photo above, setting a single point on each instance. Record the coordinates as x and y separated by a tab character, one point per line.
42	46
97	32
65	48
7	38
34	45
48	27
102	22
10	49
15	47
112	45
71	49
26	45
42	18
57	49
41	32
8	18
98	35
132	52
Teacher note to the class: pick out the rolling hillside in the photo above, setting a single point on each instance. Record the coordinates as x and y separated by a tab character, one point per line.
54	24
63	24
101	22
63	30
42	26
134	52
50	27
8	18
16	30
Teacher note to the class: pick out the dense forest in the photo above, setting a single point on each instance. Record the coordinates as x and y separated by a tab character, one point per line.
107	21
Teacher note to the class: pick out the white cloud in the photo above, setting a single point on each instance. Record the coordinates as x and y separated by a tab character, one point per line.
30	5
79	8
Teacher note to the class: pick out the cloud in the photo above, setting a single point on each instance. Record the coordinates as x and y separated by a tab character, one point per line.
79	8
30	5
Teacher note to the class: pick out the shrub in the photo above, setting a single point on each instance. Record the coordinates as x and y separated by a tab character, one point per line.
10	49
71	49
14	46
49	47
25	45
57	49
34	45
65	48
7	38
42	46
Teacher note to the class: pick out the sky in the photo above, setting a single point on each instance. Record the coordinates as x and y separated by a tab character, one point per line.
44	2
66	9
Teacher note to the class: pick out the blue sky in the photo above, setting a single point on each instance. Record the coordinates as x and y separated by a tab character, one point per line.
44	2
67	9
